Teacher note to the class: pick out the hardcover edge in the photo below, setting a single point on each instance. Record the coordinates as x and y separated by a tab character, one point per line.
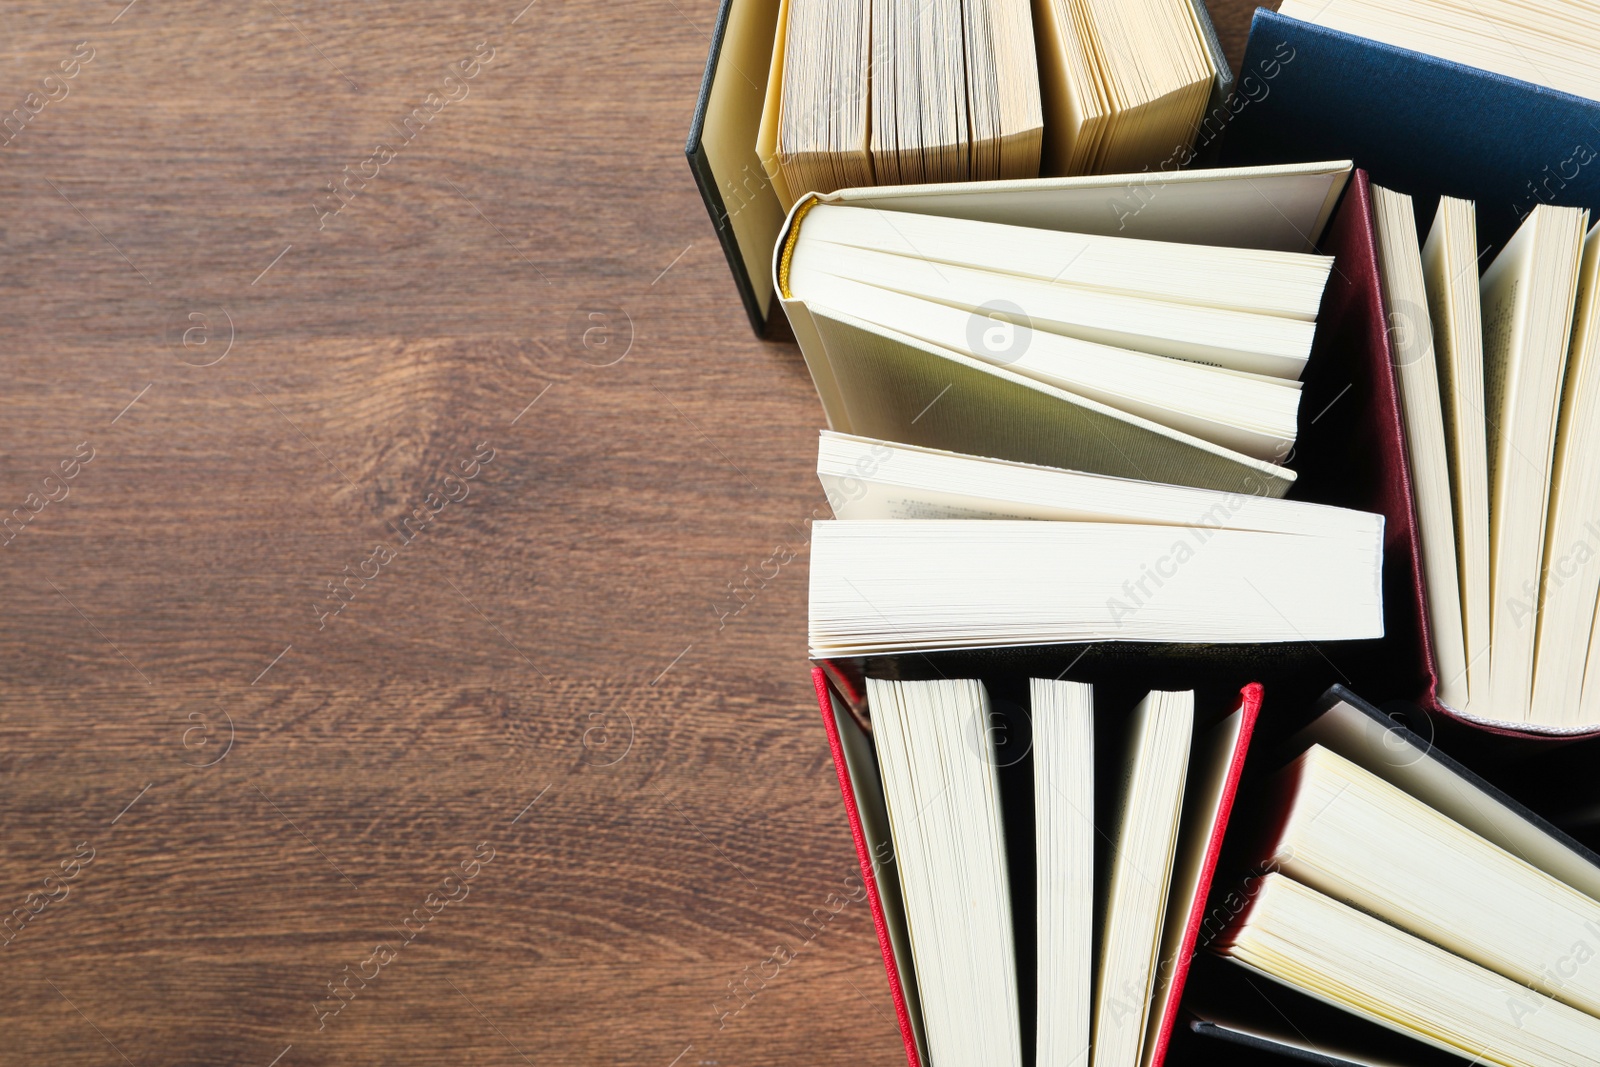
1208	36
1394	426
1339	694
819	679
1250	698
1407	55
1212	1030
706	182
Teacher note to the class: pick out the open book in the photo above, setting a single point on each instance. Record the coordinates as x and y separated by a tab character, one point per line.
1402	888
1137	891
1500	400
1006	321
869	92
802	96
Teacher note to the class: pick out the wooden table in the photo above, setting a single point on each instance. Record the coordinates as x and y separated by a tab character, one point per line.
375	690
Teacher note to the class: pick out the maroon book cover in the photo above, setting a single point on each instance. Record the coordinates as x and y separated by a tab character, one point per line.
1351	452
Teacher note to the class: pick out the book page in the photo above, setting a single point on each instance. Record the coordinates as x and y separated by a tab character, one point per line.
1404	761
897	388
1411	333
1278	207
1209	768
1450	264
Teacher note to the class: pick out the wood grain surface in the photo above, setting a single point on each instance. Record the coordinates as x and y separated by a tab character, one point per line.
374	688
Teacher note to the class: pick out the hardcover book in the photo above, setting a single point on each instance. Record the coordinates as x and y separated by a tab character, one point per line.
738	190
1416	123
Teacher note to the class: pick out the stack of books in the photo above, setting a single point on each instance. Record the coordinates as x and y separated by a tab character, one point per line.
805	96
1139	478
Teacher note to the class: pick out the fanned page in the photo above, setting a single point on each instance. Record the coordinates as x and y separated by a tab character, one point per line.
1375	742
822	121
944	812
1450	263
1063	805
1251	415
866	478
1344	957
1129	86
1269	345
1356	838
1572	531
1144	837
1195	342
1267	283
1527	297
1406	298
879	92
897	387
1214	769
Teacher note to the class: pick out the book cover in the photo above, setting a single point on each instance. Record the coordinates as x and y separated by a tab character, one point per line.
883	891
1416	123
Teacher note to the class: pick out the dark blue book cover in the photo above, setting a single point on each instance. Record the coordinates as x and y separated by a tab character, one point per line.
1416	123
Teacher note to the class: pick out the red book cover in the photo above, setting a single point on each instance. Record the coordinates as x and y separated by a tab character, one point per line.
869	879
1248	708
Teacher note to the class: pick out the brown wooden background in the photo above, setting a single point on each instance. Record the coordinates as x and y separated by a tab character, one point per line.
265	800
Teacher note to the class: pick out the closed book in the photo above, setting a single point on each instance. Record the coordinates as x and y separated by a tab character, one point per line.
1415	123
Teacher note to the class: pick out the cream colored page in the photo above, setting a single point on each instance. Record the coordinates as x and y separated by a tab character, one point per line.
1571	583
1283	208
1451	268
733	119
1361	840
867	784
872	479
1373	745
771	111
1365	966
1208	774
897	389
879	500
1412	335
1141	877
1552	42
1504	294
